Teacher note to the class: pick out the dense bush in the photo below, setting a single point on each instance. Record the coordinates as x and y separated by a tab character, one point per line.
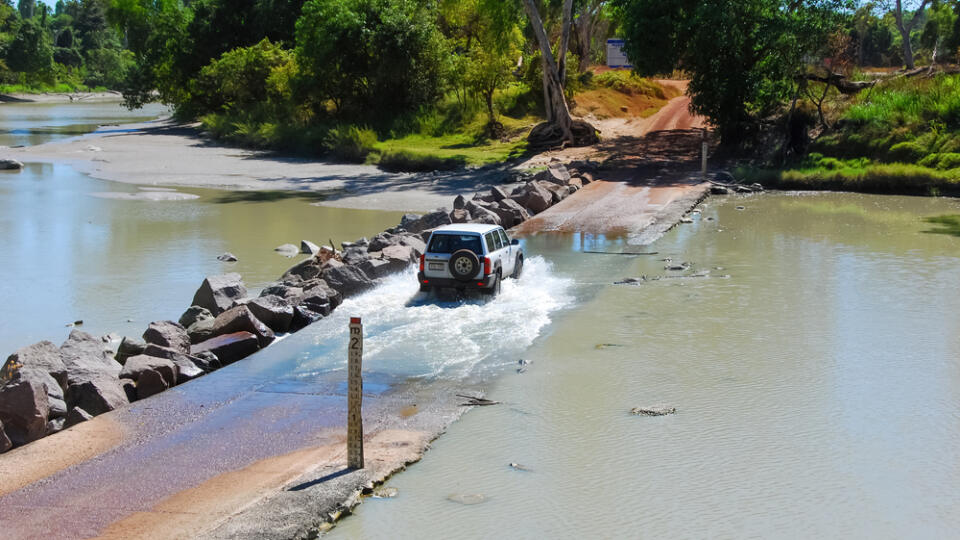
350	143
245	78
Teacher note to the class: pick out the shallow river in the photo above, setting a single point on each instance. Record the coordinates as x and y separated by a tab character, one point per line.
817	390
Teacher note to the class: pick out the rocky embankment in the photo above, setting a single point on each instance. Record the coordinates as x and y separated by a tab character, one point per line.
46	389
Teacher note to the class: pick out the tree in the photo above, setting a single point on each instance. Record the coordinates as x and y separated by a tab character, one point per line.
27	9
938	29
31	51
559	129
586	24
906	27
374	59
744	56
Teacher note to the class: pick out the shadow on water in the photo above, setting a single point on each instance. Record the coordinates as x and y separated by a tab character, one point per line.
948	224
270	196
448	299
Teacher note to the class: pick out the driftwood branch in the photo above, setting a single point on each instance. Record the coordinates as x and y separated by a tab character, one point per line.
474	401
841	83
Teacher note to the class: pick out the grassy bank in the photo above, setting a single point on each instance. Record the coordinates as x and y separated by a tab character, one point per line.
61	88
454	134
902	136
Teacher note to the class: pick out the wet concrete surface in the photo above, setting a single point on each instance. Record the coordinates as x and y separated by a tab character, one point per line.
227	422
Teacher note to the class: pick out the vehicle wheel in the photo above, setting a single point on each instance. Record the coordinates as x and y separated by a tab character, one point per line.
518	267
495	290
464	264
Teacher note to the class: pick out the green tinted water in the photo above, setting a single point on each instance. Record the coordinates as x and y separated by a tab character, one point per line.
816	388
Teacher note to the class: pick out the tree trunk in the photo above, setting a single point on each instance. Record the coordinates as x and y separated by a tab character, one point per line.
905	30
565	40
556	104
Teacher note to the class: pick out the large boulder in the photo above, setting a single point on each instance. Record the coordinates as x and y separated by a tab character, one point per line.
534	197
274	311
415	243
407	219
380	241
76	416
129	347
432	220
151	383
138	365
241	319
217	293
497	194
307	269
54	425
511	213
556	173
375	268
228	348
304	316
309	247
194	314
10	165
87	358
482	214
200	330
42	357
207	361
348	280
319	287
459	203
24	410
557	192
5	443
187	368
168	334
355	255
42	363
460	215
398	257
99	395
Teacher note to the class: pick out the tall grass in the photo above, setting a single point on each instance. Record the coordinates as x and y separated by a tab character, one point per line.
909	102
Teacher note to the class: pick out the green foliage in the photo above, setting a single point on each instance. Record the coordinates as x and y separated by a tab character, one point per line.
108	67
31	51
742	55
350	143
906	152
860	176
244	78
373	59
628	83
409	161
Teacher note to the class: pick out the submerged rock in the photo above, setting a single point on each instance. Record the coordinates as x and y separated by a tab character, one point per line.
227	257
655	410
287	250
467	498
10	165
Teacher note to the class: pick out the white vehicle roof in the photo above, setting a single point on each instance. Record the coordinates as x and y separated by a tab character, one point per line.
479	228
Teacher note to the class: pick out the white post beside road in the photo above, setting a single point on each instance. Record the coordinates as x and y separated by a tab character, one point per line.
355	395
703	160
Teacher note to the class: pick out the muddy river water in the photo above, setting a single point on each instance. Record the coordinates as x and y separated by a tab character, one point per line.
812	352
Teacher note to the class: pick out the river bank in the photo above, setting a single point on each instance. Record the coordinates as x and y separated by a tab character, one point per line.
62	97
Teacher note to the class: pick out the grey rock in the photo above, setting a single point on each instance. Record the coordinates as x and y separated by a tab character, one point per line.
130	347
42	357
407	219
227	257
355	255
24	410
207	361
307	269
557	192
10	165
303	317
273	311
5	443
217	293
138	365
228	348
382	240
58	407
130	389
76	416
459	203
348	280
480	214
287	250
720	190
534	198
418	246
497	194
55	425
168	334
287	292
87	358
200	330
241	319
510	213
194	314
318	303
399	256
320	287
460	215
97	396
187	368
432	220
309	247
375	268
576	182
151	383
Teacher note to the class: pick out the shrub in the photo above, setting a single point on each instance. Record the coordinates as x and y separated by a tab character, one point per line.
406	161
244	78
350	143
629	83
906	152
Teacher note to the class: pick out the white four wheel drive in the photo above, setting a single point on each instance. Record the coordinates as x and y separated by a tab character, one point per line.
469	256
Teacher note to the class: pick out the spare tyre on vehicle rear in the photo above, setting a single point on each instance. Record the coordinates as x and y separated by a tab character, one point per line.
464	264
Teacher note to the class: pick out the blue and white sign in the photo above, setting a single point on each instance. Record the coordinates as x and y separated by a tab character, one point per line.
616	57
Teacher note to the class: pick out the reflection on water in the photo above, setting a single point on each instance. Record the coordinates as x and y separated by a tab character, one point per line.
29	124
816	390
66	254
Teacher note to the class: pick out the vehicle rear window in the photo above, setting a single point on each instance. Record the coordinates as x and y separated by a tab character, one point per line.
449	243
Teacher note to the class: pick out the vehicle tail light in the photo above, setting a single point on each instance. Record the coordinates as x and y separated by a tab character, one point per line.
486	266
422	257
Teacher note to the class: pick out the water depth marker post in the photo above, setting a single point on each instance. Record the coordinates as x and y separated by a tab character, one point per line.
355	395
